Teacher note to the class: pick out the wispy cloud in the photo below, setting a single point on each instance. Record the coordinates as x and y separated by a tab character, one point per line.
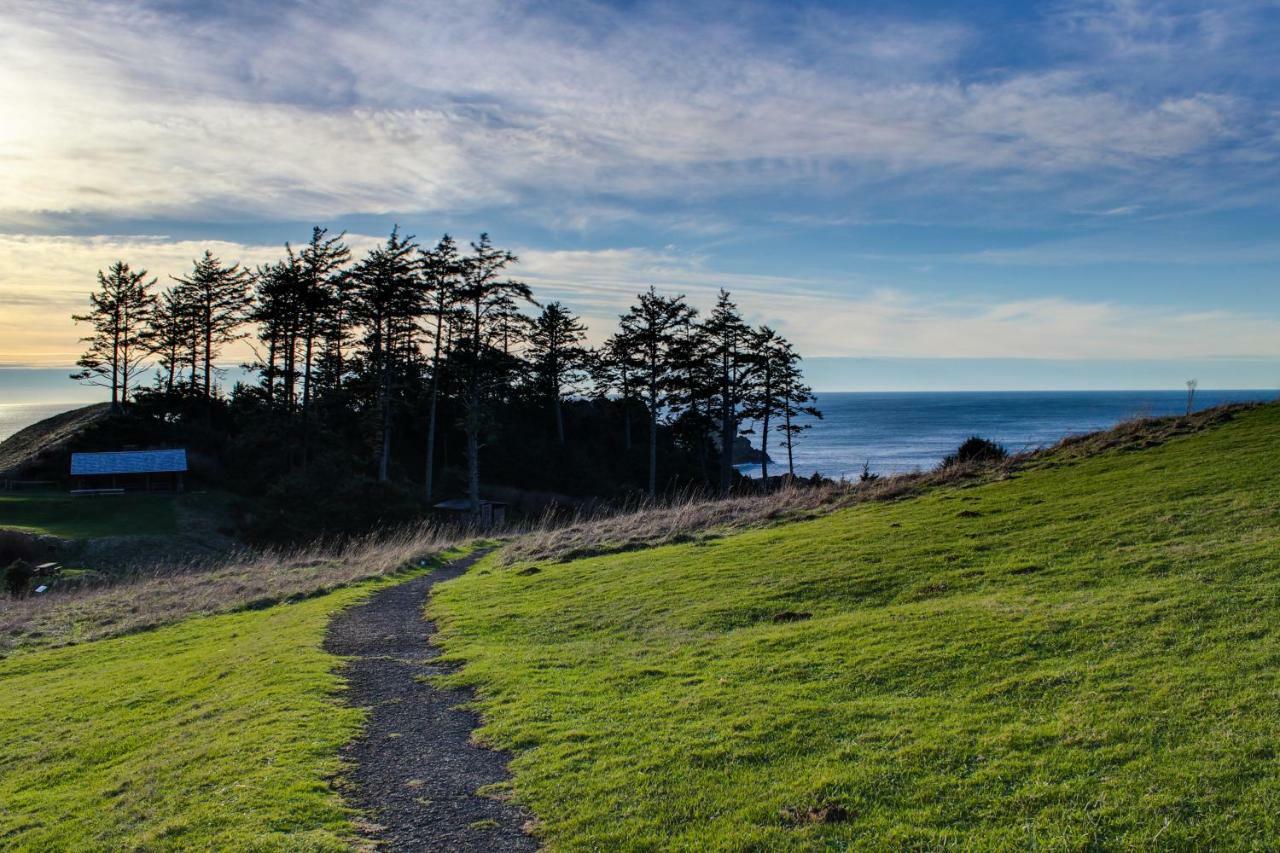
126	110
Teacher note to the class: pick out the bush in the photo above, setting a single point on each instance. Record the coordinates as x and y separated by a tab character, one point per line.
976	451
17	577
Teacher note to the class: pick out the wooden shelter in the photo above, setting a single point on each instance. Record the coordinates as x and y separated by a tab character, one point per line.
128	470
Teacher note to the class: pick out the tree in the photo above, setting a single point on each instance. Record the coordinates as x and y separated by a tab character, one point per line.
650	331
557	357
613	371
217	300
119	344
770	353
442	269
320	263
797	400
486	296
170	330
388	303
726	338
277	315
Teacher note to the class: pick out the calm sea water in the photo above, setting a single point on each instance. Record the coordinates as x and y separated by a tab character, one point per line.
15	416
902	432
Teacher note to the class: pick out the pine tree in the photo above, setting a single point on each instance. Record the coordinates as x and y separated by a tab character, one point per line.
170	332
797	400
442	270
388	303
119	344
651	331
557	357
726	338
773	358
217	300
486	297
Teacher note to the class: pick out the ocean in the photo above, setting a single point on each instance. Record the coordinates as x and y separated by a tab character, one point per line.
16	416
907	431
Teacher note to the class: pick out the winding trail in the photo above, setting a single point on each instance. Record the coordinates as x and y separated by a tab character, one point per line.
414	771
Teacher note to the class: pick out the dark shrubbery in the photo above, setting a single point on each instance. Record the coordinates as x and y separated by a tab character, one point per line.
976	451
17	578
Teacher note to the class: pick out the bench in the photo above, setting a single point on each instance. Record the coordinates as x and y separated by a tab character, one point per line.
80	493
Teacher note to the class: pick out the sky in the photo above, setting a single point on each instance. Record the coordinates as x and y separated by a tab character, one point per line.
920	195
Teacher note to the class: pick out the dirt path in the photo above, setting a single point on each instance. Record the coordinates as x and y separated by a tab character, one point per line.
415	771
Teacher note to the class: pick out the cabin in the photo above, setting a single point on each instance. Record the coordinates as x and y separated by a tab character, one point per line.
128	470
492	513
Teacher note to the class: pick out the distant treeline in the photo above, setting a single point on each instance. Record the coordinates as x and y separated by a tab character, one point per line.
434	368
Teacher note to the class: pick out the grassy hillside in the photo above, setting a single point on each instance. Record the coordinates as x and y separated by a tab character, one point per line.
1083	655
60	514
218	732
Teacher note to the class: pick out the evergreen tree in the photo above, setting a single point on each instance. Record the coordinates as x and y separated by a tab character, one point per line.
442	270
773	359
486	296
727	338
119	345
557	357
170	332
388	303
651	332
217	300
797	400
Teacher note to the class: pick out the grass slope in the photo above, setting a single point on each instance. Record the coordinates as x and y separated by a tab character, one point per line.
60	514
215	733
1085	655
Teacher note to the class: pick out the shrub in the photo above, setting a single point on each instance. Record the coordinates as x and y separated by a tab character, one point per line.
17	577
976	451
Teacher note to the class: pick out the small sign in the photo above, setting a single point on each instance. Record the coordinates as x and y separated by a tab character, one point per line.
42	588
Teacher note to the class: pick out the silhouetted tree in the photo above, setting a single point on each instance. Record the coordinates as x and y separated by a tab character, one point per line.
442	270
388	301
217	300
170	331
651	330
320	264
797	401
765	396
727	338
119	345
486	296
557	357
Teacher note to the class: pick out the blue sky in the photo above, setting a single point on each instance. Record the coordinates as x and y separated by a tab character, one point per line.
1080	192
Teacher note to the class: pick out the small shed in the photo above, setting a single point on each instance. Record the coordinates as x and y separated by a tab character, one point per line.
128	470
491	513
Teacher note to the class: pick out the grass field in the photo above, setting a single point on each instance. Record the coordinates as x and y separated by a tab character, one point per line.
217	733
1086	655
57	513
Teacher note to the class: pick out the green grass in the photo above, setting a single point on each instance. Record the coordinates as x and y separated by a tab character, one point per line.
60	514
219	733
1084	656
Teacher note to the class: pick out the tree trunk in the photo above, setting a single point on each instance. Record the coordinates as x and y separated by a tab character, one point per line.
764	451
559	421
653	450
384	462
473	459
435	393
208	357
791	462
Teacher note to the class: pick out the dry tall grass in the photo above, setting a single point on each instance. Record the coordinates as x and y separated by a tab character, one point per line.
164	594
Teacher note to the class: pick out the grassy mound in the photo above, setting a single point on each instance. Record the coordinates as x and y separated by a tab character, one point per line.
46	438
1081	655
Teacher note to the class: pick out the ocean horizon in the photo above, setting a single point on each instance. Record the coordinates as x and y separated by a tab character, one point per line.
897	432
